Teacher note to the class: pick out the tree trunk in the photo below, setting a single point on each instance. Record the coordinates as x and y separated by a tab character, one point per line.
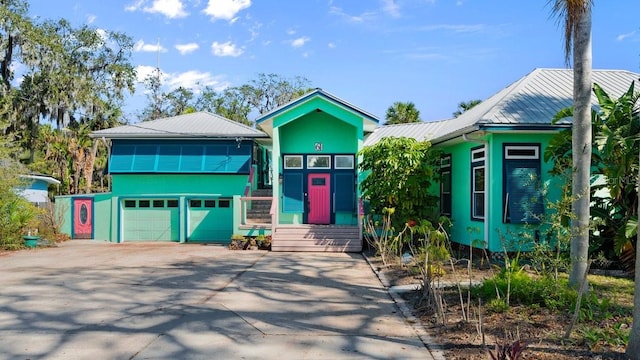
581	148
90	160
633	349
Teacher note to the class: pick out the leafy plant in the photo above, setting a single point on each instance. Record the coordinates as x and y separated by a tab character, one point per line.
399	172
616	126
16	213
507	350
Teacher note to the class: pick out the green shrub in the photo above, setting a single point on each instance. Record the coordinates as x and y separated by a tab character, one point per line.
527	290
496	305
16	213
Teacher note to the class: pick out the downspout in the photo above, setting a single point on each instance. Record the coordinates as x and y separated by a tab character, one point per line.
487	188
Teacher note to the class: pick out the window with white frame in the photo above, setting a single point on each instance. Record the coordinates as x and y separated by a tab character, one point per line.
477	183
344	161
522	196
318	162
293	161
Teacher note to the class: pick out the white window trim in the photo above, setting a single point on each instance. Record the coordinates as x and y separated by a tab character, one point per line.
445	162
535	148
474	191
292	157
477	151
309	157
350	157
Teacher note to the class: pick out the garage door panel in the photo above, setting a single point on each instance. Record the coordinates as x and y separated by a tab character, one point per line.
151	224
211	224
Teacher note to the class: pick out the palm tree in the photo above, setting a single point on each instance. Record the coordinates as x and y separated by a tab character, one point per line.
576	18
402	113
466	106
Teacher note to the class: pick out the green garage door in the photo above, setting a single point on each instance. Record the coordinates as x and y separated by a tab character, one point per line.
151	220
210	220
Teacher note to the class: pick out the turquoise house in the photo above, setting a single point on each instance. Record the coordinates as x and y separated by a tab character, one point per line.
492	170
203	178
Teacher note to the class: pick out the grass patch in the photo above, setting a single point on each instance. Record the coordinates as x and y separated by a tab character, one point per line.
605	315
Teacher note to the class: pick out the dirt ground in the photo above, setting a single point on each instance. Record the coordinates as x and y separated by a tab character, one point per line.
541	330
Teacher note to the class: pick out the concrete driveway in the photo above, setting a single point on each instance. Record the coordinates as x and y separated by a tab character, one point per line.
95	300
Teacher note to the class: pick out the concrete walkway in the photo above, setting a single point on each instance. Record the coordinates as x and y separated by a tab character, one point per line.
94	300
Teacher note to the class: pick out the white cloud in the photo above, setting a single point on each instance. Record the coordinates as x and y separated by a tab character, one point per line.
455	28
103	34
364	17
226	49
144	71
195	80
226	9
331	45
191	79
391	8
187	48
91	19
255	31
141	46
291	32
135	6
300	41
169	8
622	37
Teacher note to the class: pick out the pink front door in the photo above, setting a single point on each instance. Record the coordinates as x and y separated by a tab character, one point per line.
319	199
82	218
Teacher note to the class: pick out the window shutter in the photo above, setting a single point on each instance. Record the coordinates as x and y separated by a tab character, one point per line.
239	159
523	196
192	158
345	197
145	158
215	158
169	158
292	189
121	158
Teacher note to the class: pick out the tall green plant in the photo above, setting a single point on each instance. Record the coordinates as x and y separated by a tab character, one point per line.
15	211
616	126
400	172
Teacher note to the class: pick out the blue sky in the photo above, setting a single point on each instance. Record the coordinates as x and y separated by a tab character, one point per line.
371	53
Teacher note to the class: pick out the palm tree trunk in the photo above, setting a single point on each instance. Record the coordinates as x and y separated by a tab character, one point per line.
581	148
633	349
90	160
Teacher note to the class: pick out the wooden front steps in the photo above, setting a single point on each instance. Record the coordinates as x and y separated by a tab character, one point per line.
320	238
259	212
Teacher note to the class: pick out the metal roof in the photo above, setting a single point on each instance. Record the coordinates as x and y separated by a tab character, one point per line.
265	121
45	178
419	130
198	125
532	101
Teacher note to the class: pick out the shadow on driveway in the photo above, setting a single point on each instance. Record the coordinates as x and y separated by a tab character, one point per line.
92	300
